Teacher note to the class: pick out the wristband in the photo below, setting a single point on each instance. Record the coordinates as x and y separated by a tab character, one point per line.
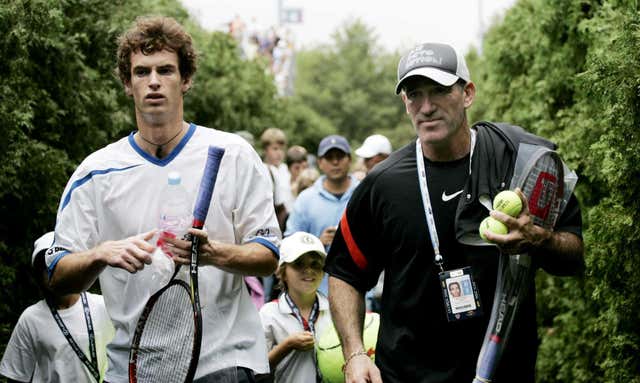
353	355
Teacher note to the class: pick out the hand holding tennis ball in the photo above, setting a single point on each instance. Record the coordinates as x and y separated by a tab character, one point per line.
508	202
493	225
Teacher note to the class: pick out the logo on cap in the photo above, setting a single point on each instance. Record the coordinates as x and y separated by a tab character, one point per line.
306	239
420	56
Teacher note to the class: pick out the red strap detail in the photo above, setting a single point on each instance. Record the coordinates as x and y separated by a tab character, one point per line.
354	250
305	323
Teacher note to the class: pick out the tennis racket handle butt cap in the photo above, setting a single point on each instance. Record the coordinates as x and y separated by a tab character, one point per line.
486	368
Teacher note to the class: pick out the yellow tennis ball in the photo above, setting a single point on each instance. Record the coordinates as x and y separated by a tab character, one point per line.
329	349
508	202
493	225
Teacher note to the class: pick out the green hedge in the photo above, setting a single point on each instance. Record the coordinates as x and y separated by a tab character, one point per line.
570	70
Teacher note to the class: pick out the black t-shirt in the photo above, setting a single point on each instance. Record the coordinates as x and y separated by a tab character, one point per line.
445	181
385	229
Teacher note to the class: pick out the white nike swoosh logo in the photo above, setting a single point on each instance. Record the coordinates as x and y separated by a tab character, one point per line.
446	197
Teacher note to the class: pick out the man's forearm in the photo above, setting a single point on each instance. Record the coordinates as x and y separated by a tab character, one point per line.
561	254
76	272
347	311
248	259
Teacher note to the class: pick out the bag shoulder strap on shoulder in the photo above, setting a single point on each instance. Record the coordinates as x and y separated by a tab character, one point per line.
514	134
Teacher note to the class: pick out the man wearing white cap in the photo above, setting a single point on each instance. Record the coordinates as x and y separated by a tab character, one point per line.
433	185
39	350
374	149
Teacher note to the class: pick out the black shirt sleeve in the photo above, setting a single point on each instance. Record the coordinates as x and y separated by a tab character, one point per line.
571	218
354	253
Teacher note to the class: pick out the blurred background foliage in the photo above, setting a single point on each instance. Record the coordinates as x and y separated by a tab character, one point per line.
568	70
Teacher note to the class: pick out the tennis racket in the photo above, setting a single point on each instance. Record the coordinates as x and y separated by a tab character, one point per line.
166	342
542	182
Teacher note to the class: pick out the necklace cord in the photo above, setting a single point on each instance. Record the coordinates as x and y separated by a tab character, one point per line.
159	146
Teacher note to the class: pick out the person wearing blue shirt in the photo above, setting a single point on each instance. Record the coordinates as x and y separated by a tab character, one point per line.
318	209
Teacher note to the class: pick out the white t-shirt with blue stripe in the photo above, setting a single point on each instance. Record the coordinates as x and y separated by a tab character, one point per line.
115	194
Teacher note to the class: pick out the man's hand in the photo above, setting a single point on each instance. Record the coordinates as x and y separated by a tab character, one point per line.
327	235
361	369
76	272
523	235
181	250
301	341
247	259
130	254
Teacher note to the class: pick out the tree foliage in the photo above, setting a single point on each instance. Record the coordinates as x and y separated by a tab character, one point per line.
351	83
58	101
569	70
228	93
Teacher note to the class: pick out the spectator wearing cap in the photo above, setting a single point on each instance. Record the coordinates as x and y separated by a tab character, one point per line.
38	351
374	149
300	313
318	209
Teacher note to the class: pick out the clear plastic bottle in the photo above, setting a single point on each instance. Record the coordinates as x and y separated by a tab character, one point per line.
175	211
175	220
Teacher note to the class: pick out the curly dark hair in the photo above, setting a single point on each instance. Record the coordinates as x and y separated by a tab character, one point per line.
150	34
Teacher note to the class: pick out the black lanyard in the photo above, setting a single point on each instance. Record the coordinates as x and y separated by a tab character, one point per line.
307	325
92	365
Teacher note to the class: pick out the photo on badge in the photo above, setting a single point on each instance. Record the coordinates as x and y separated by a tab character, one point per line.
460	295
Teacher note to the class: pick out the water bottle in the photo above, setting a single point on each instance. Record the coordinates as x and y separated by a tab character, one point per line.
175	220
175	212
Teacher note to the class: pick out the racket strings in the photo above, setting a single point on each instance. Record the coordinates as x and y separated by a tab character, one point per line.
166	344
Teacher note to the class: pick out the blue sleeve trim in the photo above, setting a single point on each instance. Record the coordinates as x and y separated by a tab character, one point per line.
79	182
53	264
268	244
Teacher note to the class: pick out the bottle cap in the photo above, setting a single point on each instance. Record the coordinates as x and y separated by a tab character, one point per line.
174	178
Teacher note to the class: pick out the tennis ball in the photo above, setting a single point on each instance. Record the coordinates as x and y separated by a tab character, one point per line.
493	225
508	202
329	349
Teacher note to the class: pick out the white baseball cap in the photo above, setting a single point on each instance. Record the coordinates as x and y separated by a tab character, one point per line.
374	145
42	243
298	244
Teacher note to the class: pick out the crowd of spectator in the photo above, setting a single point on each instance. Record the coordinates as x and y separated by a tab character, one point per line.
275	44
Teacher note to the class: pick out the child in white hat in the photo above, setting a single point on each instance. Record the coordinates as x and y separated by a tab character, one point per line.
292	321
53	341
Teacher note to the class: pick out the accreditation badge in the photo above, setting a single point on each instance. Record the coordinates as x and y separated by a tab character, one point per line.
460	294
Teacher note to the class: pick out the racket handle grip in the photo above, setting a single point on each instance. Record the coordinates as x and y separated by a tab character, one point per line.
487	363
207	184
